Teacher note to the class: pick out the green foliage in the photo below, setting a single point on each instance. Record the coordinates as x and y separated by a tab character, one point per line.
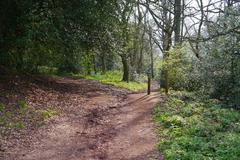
16	125
22	104
2	120
10	121
2	107
34	34
219	68
47	70
190	128
23	107
179	65
48	113
87	63
216	71
114	78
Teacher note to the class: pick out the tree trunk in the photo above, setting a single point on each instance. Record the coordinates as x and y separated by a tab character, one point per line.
151	53
103	63
166	81
177	20
182	20
167	40
140	62
166	74
152	71
166	47
94	65
125	68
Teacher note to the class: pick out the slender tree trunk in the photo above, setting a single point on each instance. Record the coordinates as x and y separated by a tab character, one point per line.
139	40
133	55
177	20
125	68
89	63
151	53
182	20
103	61
152	70
166	47
167	34
19	60
229	3
140	62
94	65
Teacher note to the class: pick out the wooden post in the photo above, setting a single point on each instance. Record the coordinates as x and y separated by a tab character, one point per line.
149	80
149	85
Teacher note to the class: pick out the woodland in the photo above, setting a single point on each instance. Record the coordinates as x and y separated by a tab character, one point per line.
60	57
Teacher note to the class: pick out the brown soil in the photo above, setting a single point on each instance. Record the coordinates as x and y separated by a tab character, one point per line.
97	122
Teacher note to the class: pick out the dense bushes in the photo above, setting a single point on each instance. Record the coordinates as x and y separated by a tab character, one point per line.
181	72
216	72
221	69
53	34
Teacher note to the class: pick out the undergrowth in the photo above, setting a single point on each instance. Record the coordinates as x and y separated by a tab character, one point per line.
21	116
190	128
114	78
47	113
111	77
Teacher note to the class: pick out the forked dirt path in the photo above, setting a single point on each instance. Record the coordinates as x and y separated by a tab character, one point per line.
106	126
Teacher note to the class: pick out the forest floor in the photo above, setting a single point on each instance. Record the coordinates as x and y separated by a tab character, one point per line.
92	121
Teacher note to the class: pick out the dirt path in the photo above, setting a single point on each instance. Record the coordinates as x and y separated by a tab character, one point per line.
106	124
135	139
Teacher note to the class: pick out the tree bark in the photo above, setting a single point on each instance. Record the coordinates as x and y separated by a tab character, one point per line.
94	65
103	61
125	68
167	41
177	20
140	62
151	52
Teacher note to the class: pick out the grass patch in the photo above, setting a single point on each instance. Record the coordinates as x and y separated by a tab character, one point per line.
21	116
114	78
10	119
192	129
48	113
2	107
111	77
16	125
23	106
47	70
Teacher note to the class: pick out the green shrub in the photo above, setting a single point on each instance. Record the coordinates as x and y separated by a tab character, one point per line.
171	121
